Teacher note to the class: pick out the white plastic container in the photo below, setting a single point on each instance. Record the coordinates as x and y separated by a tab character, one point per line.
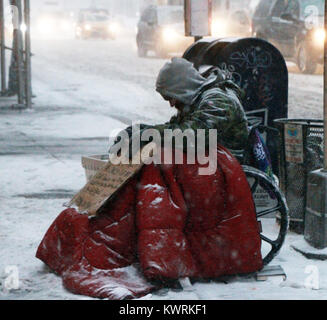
92	164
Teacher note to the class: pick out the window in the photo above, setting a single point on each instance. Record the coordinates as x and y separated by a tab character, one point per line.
262	10
149	15
152	17
279	8
96	17
293	8
145	14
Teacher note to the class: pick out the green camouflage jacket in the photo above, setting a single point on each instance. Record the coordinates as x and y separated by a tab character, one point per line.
209	103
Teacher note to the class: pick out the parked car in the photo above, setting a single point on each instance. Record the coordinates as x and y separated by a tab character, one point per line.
161	29
295	27
95	23
51	23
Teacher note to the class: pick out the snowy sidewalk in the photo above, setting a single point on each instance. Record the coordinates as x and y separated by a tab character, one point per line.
34	186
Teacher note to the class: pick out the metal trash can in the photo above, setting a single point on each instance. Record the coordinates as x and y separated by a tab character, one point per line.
301	152
258	68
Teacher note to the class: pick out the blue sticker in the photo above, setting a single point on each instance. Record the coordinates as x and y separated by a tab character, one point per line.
292	133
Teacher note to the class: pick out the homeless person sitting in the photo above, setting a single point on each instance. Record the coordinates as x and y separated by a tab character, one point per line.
168	222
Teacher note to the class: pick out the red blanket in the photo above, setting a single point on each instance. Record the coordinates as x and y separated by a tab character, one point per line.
166	223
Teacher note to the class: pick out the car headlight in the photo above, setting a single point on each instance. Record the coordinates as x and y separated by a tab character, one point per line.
218	27
319	36
113	27
169	34
88	27
23	27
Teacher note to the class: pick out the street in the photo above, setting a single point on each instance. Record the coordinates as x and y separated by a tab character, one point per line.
84	78
85	92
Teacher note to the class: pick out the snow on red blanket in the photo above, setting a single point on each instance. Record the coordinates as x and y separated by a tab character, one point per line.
166	223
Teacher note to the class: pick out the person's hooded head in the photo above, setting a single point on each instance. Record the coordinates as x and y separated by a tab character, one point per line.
179	81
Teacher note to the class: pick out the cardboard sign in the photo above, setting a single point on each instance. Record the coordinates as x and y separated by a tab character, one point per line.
106	182
294	143
197	18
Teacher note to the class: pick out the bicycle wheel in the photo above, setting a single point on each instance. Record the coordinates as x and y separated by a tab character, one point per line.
269	201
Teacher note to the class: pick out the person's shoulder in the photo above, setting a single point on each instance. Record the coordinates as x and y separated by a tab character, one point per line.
230	86
213	95
211	92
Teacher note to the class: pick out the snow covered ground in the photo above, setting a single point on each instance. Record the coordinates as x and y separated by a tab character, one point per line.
85	90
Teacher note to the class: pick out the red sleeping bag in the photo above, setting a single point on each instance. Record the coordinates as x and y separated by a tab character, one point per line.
169	222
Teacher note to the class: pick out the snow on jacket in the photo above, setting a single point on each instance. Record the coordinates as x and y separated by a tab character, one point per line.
167	223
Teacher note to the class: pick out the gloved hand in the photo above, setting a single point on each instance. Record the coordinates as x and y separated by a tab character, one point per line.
129	131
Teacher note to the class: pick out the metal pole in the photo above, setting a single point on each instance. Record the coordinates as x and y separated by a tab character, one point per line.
28	73
315	217
227	5
19	54
3	48
325	92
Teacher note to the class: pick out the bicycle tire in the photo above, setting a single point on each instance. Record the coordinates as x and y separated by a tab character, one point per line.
269	186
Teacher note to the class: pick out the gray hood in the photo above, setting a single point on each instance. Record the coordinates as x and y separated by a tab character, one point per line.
179	80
